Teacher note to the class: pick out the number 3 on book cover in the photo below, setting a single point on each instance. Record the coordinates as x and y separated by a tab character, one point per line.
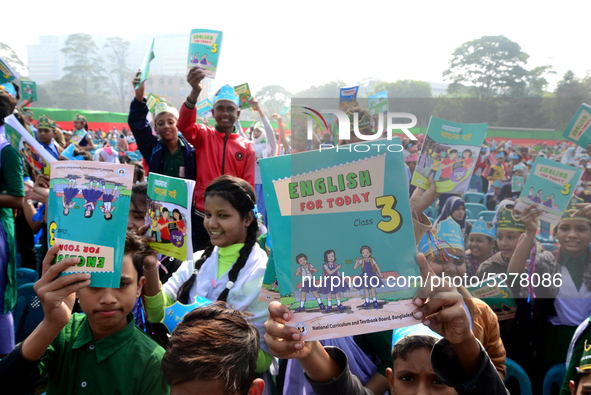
343	239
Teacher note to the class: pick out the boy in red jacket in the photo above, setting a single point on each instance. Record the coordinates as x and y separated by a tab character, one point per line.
219	150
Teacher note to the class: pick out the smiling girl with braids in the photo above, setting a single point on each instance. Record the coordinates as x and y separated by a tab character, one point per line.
230	269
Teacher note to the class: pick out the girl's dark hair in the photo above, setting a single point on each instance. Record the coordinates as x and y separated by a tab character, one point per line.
21	120
364	248
7	105
139	193
78	152
241	196
328	252
138	248
177	211
139	171
17	89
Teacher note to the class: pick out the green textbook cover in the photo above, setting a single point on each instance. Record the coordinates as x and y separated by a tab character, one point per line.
152	100
284	111
449	154
378	104
168	212
244	96
204	50
29	90
87	217
577	129
495	293
7	73
517	183
336	216
551	185
27	146
145	68
204	108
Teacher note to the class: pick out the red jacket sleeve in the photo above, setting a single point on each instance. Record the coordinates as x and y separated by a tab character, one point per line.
192	132
249	168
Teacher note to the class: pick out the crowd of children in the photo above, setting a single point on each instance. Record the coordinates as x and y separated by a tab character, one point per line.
111	340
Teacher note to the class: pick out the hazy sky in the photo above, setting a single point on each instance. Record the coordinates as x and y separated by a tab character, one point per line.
301	43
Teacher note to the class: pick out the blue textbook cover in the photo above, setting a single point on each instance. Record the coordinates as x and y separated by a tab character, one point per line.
204	50
551	185
87	216
348	94
579	125
336	218
449	155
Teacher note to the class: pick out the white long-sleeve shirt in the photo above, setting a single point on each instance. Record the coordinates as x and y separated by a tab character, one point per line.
262	150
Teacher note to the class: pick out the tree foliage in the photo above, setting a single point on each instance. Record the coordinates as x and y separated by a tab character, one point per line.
367	86
330	90
410	89
570	92
84	63
273	98
119	74
8	54
487	66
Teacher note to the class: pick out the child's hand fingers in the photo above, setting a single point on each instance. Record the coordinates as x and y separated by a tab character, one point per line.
278	312
54	270
49	258
141	231
65	285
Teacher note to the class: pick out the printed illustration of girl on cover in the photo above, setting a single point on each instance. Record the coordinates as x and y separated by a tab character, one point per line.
306	270
178	220
91	197
108	199
331	269
371	274
69	194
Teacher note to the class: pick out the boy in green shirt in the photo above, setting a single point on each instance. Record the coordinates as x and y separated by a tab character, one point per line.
98	352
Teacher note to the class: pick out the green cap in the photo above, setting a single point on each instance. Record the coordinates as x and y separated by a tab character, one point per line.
508	222
571	206
46	123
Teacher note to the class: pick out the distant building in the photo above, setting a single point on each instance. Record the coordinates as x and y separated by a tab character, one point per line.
168	69
46	61
438	88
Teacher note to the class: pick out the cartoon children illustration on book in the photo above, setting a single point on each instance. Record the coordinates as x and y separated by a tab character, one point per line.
331	269
447	164
538	197
163	226
178	220
531	193
306	270
550	202
108	199
91	196
371	274
467	158
155	233
69	194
